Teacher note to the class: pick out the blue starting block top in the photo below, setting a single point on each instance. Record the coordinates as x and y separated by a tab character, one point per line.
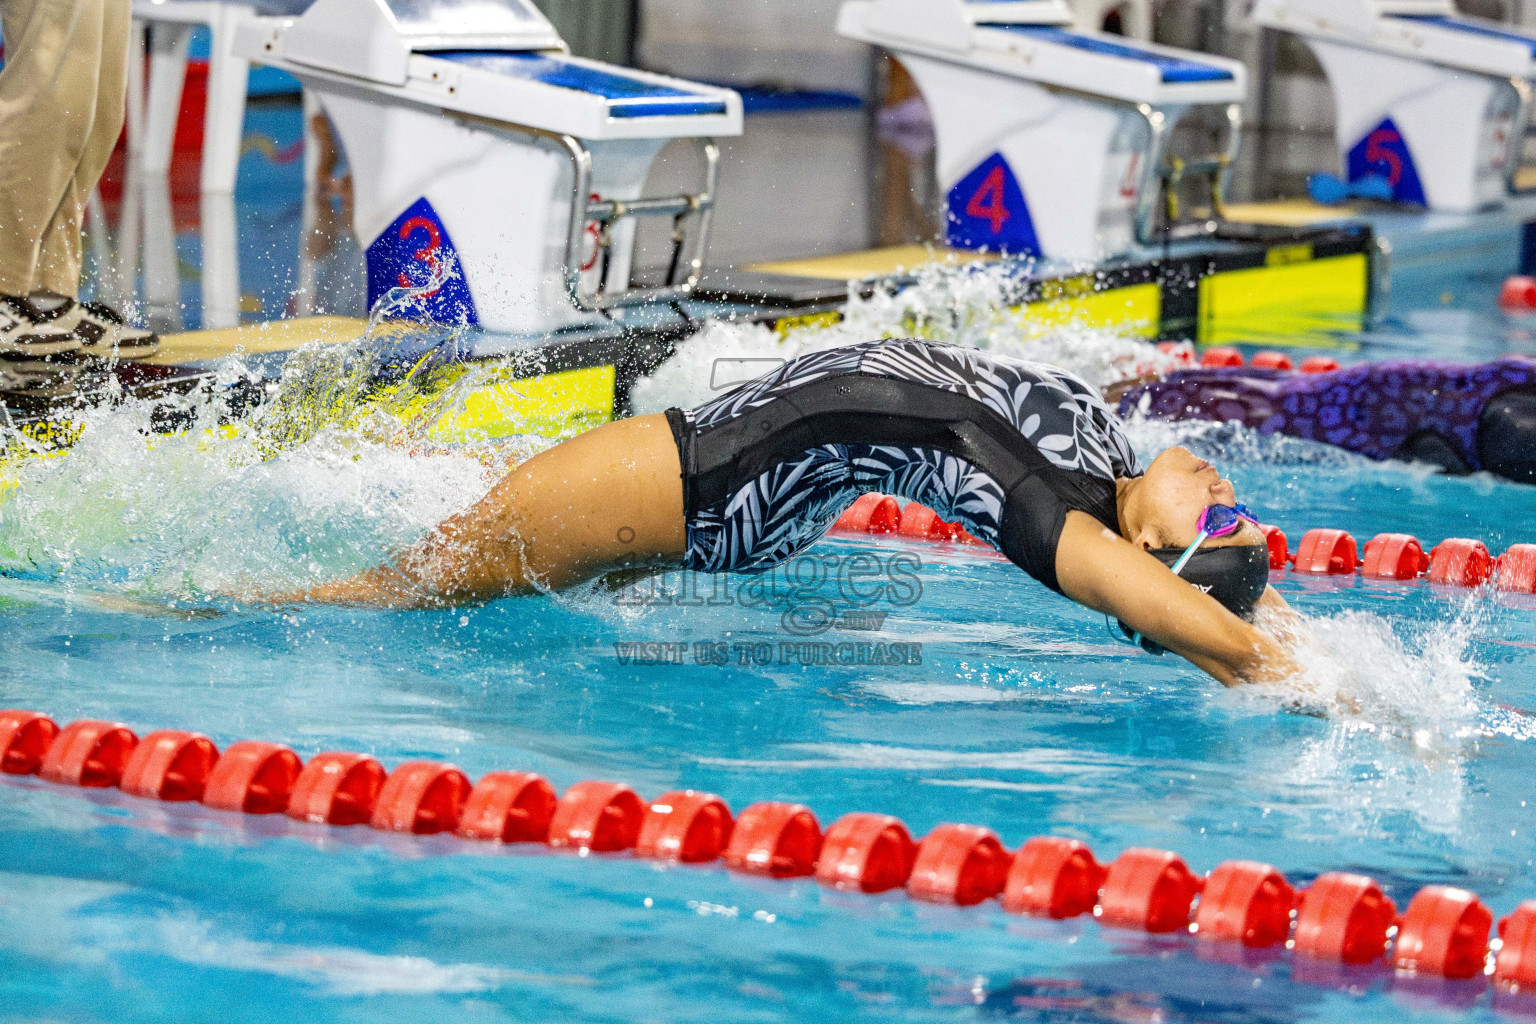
1174	69
1476	28
627	95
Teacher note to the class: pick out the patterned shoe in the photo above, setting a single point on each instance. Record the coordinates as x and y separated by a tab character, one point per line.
40	376
104	334
27	330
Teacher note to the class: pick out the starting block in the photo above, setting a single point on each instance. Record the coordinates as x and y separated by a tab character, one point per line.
1052	142
493	172
1435	103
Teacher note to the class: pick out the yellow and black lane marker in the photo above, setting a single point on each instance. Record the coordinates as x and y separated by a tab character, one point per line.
1276	285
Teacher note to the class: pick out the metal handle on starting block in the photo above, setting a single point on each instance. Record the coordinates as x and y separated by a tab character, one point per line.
700	204
1517	134
1218	168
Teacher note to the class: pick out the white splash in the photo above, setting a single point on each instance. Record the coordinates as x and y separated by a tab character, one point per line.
337	970
203	513
1413	683
328	477
1233	443
1404	717
970	305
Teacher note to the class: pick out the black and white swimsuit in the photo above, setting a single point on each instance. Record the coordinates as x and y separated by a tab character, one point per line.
1005	447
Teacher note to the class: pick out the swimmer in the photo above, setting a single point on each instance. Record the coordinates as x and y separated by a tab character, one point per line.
1459	418
1025	456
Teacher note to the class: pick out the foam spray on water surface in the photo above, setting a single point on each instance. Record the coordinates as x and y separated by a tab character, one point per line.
317	485
1405	719
972	305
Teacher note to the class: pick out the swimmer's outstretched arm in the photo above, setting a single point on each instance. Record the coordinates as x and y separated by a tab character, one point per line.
1107	573
607	499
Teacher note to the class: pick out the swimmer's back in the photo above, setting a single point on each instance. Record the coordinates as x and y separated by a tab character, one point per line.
1005	446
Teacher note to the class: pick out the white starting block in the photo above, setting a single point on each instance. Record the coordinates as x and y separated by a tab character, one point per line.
153	132
1051	142
489	165
152	119
1435	103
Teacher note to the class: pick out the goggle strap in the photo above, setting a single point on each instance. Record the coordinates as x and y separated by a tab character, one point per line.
1135	640
1189	552
1178	567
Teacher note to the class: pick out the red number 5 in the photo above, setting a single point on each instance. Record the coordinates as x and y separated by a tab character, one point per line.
1376	152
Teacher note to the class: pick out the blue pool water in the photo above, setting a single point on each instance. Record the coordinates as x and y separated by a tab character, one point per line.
1023	715
1406	752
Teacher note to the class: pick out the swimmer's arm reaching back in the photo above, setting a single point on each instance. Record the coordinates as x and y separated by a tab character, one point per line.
1107	573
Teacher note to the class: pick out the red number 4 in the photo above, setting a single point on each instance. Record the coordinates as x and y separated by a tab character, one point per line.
988	201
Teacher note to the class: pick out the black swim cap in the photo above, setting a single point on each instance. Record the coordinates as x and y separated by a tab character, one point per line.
1506	435
1235	576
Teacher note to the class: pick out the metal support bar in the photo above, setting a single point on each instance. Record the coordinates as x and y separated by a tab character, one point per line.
699	205
612	209
1234	147
1380	280
1151	173
1164	172
1517	134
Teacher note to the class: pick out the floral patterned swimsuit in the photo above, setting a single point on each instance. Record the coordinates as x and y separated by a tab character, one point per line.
1005	447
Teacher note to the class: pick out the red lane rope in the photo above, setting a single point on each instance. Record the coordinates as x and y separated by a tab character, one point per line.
1339	919
1221	356
1456	561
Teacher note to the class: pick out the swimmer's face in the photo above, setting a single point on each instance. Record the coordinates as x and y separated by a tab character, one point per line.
1177	488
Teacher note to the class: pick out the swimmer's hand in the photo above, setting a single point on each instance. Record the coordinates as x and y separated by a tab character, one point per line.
1107	573
1289	629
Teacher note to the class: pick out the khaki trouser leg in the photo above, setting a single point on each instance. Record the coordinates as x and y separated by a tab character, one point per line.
61	109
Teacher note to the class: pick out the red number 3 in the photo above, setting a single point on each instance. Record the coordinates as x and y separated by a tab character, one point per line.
427	253
988	201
